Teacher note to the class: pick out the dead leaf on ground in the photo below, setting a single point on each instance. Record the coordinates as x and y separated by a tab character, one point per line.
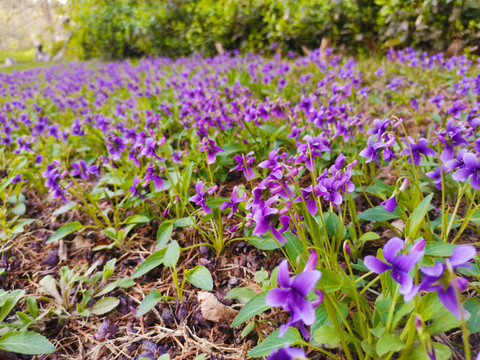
214	310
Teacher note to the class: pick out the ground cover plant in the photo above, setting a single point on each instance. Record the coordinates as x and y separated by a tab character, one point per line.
241	206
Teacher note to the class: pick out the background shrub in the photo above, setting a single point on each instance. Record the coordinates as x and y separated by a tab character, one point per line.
130	28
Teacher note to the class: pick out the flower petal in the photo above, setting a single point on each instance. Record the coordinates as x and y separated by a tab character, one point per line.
461	174
407	262
277	297
470	160
391	248
462	254
375	265
283	277
449	299
306	281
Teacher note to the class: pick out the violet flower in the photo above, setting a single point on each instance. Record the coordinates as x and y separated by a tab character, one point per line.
234	202
211	149
83	170
199	199
441	279
291	295
243	163
471	167
370	152
416	150
287	353
400	264
390	204
437	100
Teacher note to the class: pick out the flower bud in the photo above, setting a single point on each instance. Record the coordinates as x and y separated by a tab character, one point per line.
404	185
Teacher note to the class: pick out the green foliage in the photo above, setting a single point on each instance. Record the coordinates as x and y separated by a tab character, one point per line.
131	28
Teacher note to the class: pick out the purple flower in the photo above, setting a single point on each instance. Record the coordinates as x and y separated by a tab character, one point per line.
328	188
440	278
400	264
436	176
243	163
308	196
83	170
291	295
471	167
287	353
211	149
390	204
115	147
151	175
261	214
199	199
134	188
370	152
457	108
306	104
437	100
416	150
234	202
414	104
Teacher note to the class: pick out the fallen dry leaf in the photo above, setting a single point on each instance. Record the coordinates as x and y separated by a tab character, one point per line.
214	310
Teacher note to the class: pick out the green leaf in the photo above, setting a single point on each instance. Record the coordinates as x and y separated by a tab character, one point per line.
473	307
379	214
19	209
154	260
368	236
9	300
294	247
273	341
200	277
387	343
442	352
64	231
330	281
413	223
184	222
326	334
262	244
26	342
65	208
241	294
434	248
137	219
147	304
254	306
248	329
104	305
164	233
172	254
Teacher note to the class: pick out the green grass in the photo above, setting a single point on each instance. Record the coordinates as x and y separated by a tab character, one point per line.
19	56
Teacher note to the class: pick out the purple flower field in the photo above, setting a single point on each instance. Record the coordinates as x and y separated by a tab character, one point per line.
240	206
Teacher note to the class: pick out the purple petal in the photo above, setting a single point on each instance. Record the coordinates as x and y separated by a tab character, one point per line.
312	207
391	248
375	265
404	280
461	174
449	299
462	254
407	262
307	312
306	281
277	297
283	277
475	181
470	160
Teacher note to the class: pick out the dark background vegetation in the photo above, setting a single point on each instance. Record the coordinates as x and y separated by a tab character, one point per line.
114	29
